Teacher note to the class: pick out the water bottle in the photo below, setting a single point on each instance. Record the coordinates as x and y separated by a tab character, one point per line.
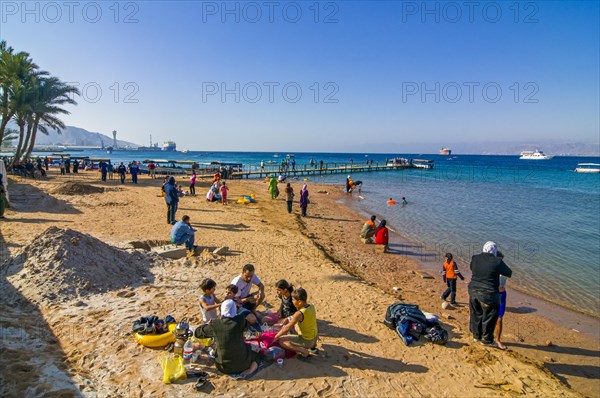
188	350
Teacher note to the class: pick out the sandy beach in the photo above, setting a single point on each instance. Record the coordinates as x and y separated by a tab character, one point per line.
73	284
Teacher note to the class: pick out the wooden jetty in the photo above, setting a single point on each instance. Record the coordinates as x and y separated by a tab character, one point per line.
307	170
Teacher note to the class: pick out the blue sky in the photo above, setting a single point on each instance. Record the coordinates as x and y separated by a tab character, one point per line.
375	76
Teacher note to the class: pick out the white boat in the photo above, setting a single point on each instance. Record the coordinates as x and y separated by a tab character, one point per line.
290	155
588	168
422	164
445	151
169	146
534	155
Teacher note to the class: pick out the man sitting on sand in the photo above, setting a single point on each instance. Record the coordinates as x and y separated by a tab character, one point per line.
244	283
182	232
368	230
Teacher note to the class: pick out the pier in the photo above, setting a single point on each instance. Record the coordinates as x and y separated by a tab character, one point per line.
307	170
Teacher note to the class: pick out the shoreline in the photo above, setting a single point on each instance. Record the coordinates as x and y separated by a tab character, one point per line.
558	312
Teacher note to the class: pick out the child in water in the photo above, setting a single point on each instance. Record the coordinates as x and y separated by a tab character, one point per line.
305	342
450	272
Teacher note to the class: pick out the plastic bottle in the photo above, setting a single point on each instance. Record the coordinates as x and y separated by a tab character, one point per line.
188	350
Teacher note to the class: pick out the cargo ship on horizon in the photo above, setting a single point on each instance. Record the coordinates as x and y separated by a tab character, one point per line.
445	151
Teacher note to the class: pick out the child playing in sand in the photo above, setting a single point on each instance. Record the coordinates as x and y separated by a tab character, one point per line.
450	272
224	189
208	302
305	342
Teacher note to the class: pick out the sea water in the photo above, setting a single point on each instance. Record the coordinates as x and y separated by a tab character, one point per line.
544	217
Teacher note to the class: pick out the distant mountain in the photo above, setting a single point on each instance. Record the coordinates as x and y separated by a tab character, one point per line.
72	135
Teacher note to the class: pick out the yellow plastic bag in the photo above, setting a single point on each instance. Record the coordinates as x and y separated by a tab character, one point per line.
172	366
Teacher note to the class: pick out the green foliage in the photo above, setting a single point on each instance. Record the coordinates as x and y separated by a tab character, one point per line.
31	97
9	136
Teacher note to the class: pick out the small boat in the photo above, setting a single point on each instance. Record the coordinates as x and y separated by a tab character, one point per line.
276	155
185	151
422	164
290	155
534	155
588	168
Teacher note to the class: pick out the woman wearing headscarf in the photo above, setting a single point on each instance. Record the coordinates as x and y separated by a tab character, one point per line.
273	188
233	354
304	199
484	297
382	235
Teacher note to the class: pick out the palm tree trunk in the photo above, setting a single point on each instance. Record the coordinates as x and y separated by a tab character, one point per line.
27	139
4	123
19	145
32	139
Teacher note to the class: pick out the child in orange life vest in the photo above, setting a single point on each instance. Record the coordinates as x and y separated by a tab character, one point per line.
450	272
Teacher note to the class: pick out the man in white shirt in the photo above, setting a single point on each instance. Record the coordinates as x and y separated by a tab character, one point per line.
244	284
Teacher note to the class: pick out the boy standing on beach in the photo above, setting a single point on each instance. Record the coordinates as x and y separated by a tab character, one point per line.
450	272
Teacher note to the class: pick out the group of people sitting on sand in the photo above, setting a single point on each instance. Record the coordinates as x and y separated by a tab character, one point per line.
238	313
380	232
217	191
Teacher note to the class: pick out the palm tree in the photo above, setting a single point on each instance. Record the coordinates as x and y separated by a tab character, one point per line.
9	136
23	96
51	95
15	71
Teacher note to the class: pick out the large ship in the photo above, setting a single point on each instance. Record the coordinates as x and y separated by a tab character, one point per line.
534	155
445	151
169	146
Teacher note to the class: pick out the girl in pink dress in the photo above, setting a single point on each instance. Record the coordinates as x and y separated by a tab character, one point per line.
224	189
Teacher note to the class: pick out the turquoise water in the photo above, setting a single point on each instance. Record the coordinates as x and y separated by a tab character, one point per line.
544	217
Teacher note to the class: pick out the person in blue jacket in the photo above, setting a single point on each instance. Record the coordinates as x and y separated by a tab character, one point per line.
182	232
134	169
172	200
